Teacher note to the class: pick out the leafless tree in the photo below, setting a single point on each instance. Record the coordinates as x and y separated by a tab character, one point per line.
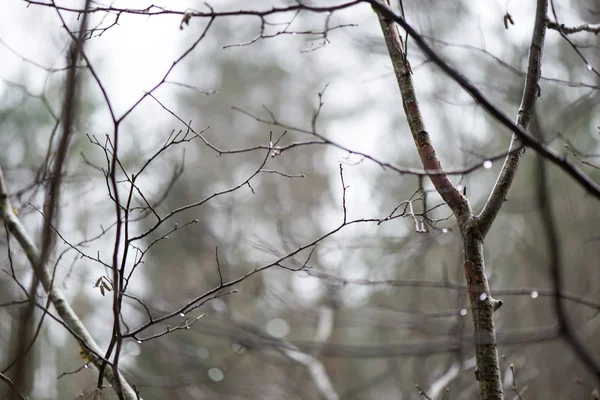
142	220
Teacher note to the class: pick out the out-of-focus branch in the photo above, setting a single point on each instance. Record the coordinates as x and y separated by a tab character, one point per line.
12	385
440	384
38	258
254	339
71	320
530	94
580	348
315	367
52	198
413	283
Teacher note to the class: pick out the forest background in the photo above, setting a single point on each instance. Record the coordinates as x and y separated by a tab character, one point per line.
365	311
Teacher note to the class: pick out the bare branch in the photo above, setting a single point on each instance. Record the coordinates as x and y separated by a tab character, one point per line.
569	30
71	320
570	42
12	385
588	184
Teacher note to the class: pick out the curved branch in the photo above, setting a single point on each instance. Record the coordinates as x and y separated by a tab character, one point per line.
71	320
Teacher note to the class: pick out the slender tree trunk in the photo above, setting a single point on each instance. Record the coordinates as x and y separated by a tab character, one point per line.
482	309
482	304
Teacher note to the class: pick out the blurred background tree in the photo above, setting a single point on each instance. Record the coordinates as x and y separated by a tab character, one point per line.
371	290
